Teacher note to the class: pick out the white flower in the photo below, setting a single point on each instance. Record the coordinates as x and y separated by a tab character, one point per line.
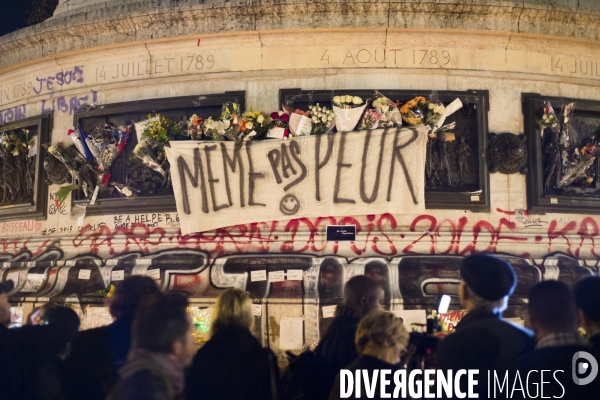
260	119
356	100
249	125
324	118
330	118
431	106
337	100
15	153
30	147
315	119
437	109
348	99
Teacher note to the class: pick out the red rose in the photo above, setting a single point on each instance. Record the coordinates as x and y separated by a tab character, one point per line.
286	133
274	115
285	118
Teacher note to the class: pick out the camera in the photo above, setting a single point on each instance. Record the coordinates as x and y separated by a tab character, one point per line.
425	341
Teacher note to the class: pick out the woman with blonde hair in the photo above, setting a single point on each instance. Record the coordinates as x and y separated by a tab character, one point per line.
380	339
233	364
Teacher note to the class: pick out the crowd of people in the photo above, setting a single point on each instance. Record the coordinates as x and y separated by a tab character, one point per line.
148	351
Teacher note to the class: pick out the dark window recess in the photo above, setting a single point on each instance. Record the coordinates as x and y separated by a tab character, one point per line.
551	158
470	193
22	194
156	192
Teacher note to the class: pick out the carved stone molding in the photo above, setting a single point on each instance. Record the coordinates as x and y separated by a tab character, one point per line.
507	153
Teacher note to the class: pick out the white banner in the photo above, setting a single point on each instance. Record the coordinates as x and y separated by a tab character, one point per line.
351	173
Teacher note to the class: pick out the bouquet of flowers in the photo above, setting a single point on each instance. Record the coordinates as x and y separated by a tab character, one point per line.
413	111
322	119
388	111
581	162
257	122
300	121
348	110
215	130
68	155
147	156
18	142
435	110
279	125
548	119
370	120
194	127
106	142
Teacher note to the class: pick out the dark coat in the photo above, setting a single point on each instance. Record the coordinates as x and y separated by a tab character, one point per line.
369	364
27	350
91	369
142	380
554	359
232	365
9	378
483	341
337	348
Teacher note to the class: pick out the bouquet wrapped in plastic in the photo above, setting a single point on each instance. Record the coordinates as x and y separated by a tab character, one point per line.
279	125
147	156
370	119
194	128
348	111
388	111
413	111
300	121
548	119
257	122
322	119
68	155
106	142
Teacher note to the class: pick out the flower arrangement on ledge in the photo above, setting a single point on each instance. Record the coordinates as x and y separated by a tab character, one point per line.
90	156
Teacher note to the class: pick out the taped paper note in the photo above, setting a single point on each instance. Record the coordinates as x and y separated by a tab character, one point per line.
84	274
153	273
276	276
256	276
290	334
117	275
328	311
257	309
294	274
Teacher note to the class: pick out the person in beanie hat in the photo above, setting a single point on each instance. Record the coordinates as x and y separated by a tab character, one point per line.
482	340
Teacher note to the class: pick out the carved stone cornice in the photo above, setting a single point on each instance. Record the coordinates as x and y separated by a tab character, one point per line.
118	22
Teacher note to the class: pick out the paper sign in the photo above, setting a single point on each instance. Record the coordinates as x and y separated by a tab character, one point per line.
257	309
328	311
340	233
256	276
153	273
410	317
118	275
84	273
276	276
294	274
399	156
290	334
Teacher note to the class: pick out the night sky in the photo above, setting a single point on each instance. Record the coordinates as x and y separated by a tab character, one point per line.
13	15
